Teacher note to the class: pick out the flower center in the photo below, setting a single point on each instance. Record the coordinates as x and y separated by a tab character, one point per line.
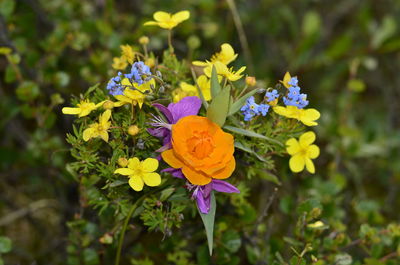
200	145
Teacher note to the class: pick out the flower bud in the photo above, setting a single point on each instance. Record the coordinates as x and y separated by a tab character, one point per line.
122	161
251	80
150	62
144	40
273	103
133	130
108	104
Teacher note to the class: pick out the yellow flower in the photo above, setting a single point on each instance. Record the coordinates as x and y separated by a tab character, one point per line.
140	173
286	80
133	96
127	53
223	70
119	63
82	109
168	21
306	116
225	56
100	128
186	89
302	152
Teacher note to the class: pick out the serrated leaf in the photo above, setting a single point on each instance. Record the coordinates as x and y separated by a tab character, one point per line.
215	86
218	109
251	134
241	101
208	221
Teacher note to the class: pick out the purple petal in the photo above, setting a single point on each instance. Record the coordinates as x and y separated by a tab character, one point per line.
165	147
165	111
203	203
174	172
223	186
159	132
185	107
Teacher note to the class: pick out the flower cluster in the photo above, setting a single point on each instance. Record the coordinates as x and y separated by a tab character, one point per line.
294	96
194	119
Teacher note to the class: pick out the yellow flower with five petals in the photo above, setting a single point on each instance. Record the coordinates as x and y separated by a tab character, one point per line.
133	96
302	151
224	71
225	56
306	116
168	21
82	109
99	129
140	173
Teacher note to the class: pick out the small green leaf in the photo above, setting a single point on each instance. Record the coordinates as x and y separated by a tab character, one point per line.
91	89
166	193
215	86
242	147
208	221
218	109
5	50
27	91
241	101
5	244
251	134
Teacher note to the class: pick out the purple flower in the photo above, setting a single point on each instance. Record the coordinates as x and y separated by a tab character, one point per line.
173	113
202	194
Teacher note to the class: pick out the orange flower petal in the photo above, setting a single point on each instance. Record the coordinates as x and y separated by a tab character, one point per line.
227	171
170	158
195	177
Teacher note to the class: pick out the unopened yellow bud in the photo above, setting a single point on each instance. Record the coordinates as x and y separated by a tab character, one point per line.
133	130
122	161
150	62
144	40
273	103
108	104
251	80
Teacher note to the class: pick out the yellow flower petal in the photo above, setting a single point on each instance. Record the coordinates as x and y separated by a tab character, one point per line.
180	16
292	146
161	16
310	116
150	164
72	111
105	117
150	23
309	165
296	163
286	79
88	133
104	136
313	151
136	183
152	179
133	163
200	63
307	139
124	171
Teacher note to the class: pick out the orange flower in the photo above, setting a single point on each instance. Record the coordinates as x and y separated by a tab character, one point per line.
201	149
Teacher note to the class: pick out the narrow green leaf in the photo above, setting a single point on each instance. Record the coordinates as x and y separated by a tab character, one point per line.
203	100
208	221
241	101
251	134
215	86
242	147
218	109
91	89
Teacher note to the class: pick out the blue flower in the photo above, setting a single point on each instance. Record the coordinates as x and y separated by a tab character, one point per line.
263	109
294	97
114	85
293	81
250	109
271	96
139	73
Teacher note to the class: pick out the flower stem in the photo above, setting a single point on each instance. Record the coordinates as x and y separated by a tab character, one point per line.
121	237
171	49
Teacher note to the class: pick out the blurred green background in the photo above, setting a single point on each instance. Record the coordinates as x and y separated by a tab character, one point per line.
346	54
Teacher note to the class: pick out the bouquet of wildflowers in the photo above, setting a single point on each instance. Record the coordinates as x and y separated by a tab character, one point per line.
184	132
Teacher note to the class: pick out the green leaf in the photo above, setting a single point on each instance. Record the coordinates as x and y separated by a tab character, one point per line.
5	244
218	109
91	89
27	91
251	134
5	50
215	86
268	176
7	7
241	101
208	221
242	147
166	193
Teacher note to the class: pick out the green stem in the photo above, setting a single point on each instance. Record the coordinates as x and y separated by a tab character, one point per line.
171	49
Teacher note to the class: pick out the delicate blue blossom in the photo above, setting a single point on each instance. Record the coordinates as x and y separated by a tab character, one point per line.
140	73
271	96
250	109
294	97
263	109
114	85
